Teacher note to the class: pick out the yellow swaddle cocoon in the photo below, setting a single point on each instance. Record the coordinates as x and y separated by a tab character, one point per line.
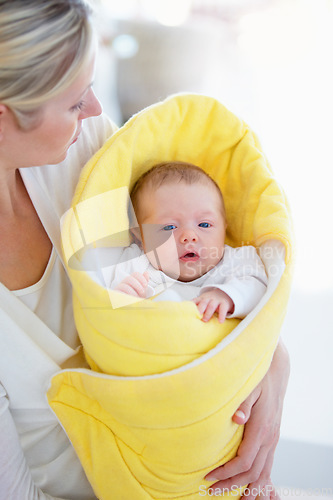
155	414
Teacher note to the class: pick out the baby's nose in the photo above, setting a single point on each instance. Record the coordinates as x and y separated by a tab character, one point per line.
188	236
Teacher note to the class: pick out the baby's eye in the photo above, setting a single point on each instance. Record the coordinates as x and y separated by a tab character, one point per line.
169	227
204	224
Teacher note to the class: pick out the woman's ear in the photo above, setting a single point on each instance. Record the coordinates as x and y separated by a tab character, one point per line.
5	115
3	109
136	235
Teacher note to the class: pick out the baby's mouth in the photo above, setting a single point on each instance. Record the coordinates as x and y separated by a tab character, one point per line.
189	257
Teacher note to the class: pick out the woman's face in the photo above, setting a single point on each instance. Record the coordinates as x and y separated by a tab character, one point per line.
59	126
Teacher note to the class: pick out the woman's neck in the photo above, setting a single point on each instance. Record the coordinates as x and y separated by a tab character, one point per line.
12	192
25	247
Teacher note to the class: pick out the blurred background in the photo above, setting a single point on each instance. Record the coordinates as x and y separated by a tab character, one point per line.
270	62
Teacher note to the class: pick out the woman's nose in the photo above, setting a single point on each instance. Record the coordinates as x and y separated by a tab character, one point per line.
188	236
92	107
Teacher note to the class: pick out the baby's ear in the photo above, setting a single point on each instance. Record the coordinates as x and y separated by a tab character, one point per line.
136	235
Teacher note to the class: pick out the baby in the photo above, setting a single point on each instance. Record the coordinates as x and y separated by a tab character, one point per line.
180	243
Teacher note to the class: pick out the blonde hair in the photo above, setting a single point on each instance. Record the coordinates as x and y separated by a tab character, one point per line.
43	46
171	172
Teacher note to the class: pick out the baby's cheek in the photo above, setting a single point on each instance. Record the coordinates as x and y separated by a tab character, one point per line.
213	253
169	256
164	256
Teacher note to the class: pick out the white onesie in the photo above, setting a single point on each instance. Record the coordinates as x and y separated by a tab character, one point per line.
240	274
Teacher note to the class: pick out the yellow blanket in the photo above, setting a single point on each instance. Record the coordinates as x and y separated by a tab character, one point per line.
155	414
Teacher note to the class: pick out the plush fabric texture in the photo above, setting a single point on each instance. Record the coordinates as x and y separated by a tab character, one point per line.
154	415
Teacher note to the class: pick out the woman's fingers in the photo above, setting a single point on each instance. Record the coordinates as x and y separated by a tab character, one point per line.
260	438
263	486
250	444
241	469
261	412
257	479
250	471
242	415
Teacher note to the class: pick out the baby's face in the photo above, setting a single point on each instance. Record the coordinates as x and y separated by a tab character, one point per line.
183	228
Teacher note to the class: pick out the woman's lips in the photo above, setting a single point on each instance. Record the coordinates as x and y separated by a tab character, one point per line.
75	138
78	132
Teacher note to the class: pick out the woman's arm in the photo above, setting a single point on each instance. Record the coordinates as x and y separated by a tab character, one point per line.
15	477
261	412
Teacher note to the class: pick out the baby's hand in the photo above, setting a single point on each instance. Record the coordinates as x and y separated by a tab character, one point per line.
135	284
214	301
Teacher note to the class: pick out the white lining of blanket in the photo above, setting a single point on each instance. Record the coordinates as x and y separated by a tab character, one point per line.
272	254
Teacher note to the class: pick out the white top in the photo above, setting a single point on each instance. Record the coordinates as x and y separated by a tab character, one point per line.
51	300
37	334
240	274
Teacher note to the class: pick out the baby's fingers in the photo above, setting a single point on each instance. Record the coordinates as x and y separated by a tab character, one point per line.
135	284
200	303
141	278
139	283
125	287
223	311
206	306
209	309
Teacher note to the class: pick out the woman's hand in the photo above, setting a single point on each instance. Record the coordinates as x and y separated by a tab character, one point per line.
261	412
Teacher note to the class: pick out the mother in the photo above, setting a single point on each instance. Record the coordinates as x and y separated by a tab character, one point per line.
50	125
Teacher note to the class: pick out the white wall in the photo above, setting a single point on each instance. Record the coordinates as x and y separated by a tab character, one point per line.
284	62
288	58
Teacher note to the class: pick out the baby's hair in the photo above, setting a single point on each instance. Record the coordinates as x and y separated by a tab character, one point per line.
172	172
